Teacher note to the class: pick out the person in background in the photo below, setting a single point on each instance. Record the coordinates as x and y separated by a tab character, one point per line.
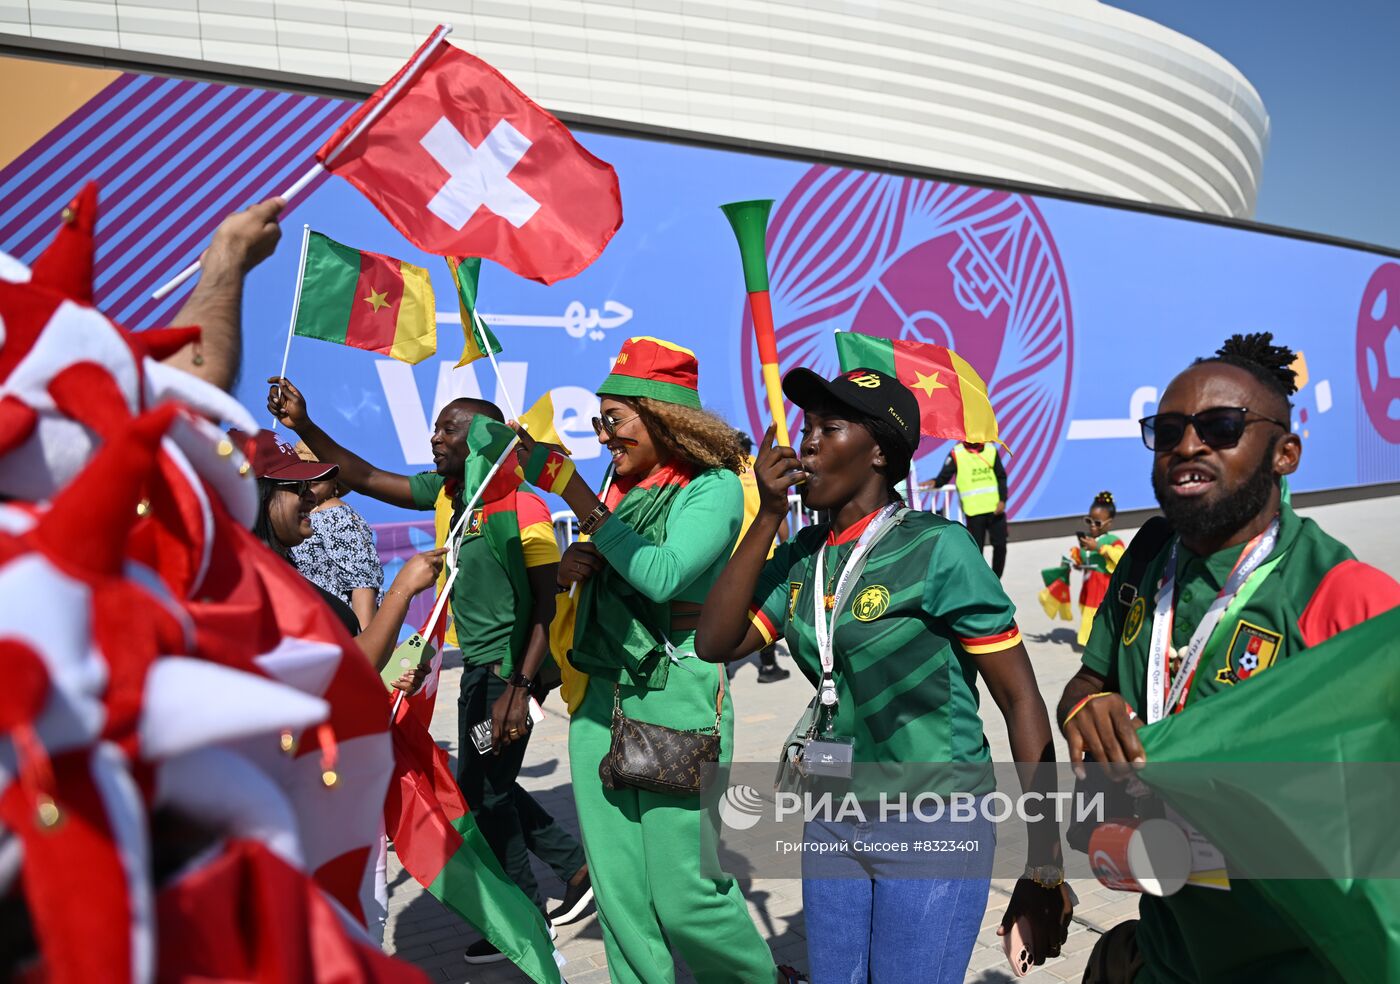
284	520
340	556
768	669
1097	556
895	652
1251	583
486	612
977	472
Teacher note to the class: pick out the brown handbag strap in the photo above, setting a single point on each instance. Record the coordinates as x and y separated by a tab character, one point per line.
719	701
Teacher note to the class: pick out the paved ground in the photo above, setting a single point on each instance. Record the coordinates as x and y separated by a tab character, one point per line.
423	931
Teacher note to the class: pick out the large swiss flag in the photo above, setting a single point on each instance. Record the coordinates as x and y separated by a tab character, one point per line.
465	164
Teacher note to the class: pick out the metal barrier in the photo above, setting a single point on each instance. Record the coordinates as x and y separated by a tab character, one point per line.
565	528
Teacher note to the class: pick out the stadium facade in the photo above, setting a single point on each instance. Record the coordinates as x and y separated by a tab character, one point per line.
1066	94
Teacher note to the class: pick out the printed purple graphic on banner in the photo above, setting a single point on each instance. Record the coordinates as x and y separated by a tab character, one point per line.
969	268
1378	351
171	158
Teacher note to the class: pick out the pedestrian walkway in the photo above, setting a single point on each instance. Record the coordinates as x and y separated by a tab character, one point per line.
422	931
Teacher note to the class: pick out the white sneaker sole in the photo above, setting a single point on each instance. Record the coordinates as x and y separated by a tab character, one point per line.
577	910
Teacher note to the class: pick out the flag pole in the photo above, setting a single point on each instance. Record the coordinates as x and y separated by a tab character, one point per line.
479	327
607	484
296	306
410	73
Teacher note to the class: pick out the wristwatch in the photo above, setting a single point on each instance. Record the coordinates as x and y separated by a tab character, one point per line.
518	679
1045	875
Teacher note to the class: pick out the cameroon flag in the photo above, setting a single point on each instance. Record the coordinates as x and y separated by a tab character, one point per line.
1291	769
366	300
466	272
487	441
953	403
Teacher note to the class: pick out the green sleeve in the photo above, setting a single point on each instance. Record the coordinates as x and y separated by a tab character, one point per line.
701	528
961	592
424	487
772	595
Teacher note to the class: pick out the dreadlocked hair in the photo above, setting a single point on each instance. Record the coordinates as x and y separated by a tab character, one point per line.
1257	355
696	436
1104	500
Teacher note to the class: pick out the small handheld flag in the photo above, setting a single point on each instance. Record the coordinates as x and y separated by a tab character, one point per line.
952	397
466	272
750	222
548	469
365	300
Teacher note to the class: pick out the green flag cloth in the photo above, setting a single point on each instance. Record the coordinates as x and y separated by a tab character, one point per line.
1330	718
619	630
487	440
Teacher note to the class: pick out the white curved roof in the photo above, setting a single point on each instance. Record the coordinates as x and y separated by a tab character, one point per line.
1066	93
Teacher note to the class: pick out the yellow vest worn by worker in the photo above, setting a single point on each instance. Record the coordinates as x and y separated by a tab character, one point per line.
976	479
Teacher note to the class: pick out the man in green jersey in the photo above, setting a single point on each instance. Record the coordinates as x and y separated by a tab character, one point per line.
498	669
1240	583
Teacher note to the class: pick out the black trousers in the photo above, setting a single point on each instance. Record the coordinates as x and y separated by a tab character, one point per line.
513	823
994	525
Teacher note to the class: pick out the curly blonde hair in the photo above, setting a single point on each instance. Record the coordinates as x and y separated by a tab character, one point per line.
697	436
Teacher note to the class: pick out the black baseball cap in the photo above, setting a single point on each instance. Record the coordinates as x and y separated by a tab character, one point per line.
869	392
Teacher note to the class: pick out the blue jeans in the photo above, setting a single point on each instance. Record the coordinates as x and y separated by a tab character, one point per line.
879	911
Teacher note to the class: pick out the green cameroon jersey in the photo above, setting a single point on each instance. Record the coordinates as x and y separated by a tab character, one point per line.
1310	588
924	604
484	606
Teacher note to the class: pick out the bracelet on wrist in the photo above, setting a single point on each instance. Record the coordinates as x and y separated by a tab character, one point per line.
590	523
1080	706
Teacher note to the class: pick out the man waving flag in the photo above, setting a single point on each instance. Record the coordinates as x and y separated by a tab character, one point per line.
465	164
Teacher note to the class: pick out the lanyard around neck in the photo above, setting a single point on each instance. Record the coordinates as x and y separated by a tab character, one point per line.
825	623
1162	699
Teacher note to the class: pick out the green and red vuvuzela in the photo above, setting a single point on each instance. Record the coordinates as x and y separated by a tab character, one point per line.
366	300
953	403
438	842
750	222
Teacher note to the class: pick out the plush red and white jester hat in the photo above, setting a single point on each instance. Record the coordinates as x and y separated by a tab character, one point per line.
48	329
96	709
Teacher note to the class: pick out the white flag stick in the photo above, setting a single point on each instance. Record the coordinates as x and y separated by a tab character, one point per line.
410	73
479	327
607	484
296	306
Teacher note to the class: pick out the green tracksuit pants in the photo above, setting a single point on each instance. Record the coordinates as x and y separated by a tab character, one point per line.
643	848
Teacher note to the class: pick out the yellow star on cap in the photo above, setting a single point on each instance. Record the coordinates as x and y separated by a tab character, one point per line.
927	383
376	299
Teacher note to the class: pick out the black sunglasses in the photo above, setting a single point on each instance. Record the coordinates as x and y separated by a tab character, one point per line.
1217	427
300	488
608	424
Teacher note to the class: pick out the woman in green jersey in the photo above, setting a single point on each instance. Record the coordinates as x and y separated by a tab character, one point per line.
893	615
658	540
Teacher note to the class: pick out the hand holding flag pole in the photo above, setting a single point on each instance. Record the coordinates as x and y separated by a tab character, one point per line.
406	77
296	305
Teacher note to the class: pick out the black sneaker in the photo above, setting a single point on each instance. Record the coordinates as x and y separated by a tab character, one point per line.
484	952
772	674
577	899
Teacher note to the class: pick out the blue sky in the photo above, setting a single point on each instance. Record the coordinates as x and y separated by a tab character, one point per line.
1329	74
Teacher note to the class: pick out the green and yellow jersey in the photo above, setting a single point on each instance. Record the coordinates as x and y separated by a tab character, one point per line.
484	607
924	604
1310	588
